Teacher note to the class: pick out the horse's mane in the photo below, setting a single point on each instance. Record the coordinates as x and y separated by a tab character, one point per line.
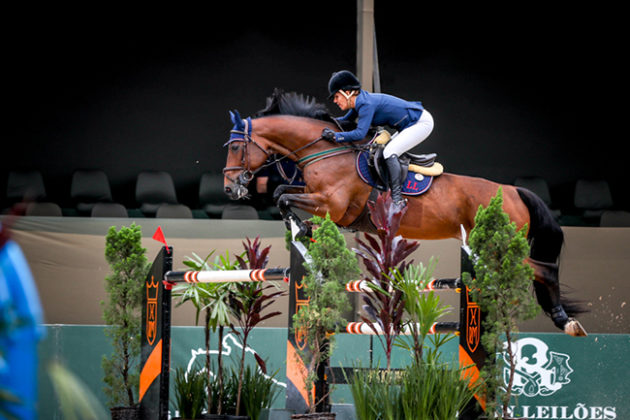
292	103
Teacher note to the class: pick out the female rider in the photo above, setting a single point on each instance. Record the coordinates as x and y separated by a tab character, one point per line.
410	119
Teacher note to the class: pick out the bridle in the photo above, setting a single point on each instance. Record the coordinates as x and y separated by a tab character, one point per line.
245	137
247	174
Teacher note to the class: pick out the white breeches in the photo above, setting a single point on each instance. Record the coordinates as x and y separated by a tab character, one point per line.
410	136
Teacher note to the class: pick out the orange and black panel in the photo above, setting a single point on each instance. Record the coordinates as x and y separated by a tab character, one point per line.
471	353
156	340
297	397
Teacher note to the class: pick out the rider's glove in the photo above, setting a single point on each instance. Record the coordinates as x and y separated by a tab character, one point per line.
328	134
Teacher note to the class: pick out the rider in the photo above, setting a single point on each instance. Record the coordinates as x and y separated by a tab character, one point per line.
410	119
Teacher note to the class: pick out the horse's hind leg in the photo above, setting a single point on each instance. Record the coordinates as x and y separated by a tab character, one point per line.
547	288
546	239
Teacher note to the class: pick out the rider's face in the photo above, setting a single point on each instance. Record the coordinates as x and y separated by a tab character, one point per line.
342	102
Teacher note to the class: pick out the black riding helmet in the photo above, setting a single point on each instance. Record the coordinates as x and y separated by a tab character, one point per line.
342	80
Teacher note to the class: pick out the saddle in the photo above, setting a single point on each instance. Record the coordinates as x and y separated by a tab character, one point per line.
418	170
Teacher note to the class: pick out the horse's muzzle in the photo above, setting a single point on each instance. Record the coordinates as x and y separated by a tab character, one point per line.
235	191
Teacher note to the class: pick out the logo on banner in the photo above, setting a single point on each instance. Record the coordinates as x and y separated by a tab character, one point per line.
152	308
539	371
473	324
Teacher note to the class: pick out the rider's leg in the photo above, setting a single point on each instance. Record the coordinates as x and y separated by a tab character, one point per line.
394	178
410	136
399	144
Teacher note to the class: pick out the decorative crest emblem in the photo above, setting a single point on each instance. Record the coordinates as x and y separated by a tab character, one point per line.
473	323
539	371
152	308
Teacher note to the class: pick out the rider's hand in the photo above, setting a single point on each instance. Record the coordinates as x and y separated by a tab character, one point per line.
328	134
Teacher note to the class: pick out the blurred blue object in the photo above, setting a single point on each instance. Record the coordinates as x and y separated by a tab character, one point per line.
20	331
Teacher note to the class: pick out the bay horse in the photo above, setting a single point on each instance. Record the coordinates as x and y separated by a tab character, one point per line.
290	127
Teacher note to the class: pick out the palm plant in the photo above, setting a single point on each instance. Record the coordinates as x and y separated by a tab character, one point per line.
211	298
422	309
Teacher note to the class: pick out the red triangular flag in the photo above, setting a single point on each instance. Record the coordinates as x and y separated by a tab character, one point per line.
159	236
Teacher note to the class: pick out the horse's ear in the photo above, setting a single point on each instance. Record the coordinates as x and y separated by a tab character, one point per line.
236	118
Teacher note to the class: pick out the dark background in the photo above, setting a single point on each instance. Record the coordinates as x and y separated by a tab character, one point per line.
515	91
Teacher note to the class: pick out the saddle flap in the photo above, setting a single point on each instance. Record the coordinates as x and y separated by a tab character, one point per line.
369	171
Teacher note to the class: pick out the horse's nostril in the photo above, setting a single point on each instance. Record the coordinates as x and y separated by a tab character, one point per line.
227	190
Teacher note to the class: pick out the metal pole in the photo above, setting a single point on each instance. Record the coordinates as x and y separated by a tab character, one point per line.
365	43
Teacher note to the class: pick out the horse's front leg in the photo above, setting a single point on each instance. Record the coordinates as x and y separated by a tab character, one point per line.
313	203
287	189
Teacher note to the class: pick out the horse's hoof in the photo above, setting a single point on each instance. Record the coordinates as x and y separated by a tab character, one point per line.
574	328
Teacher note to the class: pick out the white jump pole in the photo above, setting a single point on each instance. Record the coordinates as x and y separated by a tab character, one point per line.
228	276
363	286
363	328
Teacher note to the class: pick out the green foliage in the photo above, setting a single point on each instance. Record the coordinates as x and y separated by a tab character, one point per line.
376	393
223	393
422	310
247	301
259	391
428	388
424	391
122	311
212	299
502	288
190	392
332	264
434	390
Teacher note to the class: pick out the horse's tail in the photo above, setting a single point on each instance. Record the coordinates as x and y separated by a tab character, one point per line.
546	239
545	235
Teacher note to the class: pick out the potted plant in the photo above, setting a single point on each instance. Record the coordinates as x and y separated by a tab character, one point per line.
500	286
211	299
428	388
247	302
382	258
122	312
190	392
258	391
331	265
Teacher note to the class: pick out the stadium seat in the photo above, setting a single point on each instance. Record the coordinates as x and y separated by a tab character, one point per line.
174	211
89	187
154	188
108	210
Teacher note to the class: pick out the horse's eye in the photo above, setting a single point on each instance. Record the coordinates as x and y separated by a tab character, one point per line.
235	147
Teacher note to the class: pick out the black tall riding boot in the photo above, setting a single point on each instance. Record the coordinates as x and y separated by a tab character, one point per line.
394	177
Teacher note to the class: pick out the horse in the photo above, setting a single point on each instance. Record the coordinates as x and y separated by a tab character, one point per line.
290	127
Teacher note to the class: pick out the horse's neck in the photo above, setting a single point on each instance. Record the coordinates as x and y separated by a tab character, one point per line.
288	134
